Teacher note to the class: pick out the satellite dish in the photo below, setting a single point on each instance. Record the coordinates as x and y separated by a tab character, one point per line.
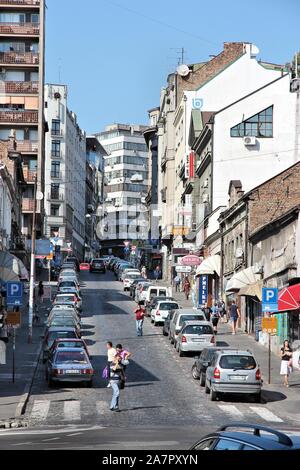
254	50
183	70
39	196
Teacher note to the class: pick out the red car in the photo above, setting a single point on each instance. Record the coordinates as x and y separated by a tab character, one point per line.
69	343
84	267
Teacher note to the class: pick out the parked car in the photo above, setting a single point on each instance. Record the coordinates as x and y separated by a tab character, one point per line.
194	336
122	267
69	365
155	301
52	334
68	297
156	291
202	362
247	437
141	291
69	265
63	322
63	284
166	325
129	278
133	286
64	315
161	310
180	317
128	271
84	266
233	372
74	260
97	265
68	343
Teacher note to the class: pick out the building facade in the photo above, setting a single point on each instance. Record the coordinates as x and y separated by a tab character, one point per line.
22	44
65	170
126	183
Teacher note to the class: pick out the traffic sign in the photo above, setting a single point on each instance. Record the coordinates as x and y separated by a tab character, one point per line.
14	294
183	269
14	319
269	299
270	325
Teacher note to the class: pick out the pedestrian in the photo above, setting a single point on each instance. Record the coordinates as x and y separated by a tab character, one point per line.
215	317
116	374
286	362
207	311
187	288
144	272
177	281
123	355
222	311
111	352
234	316
41	292
157	273
139	317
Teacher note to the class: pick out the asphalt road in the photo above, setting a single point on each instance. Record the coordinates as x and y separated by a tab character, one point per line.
162	407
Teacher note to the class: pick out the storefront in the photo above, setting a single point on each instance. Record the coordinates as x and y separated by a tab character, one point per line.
209	271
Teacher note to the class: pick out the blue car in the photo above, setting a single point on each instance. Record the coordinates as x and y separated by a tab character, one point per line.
69	365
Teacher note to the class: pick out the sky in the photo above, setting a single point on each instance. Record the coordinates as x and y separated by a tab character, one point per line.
115	55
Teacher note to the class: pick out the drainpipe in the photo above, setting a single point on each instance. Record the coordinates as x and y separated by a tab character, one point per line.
222	264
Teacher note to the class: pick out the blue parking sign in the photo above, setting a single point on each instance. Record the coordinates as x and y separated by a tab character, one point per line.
269	299
14	294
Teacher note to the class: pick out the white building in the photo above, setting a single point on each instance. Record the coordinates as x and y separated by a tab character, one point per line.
65	170
127	158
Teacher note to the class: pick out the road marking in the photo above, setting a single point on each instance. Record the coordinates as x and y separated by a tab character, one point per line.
72	410
53	439
21	444
231	410
40	410
75	434
267	415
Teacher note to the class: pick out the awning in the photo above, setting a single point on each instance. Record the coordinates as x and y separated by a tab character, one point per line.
289	298
253	290
12	268
243	278
210	265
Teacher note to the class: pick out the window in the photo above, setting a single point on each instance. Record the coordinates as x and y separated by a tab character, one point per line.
55	149
54	191
259	125
55	169
207	444
227	444
35	18
55	130
54	210
54	231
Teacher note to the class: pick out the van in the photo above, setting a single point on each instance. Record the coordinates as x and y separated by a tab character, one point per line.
180	317
156	291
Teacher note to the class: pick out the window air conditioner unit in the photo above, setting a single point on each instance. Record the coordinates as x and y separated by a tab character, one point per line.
205	198
239	253
205	184
249	140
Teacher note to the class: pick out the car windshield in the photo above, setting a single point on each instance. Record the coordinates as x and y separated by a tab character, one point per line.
168	306
191	317
67	284
74	357
69	344
53	335
133	276
64	298
198	330
237	362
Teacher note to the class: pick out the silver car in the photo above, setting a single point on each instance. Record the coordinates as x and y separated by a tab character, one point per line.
194	336
181	316
233	371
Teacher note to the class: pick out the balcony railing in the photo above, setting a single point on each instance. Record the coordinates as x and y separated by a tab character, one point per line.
20	29
56	154
20	2
56	175
27	205
14	117
55	196
27	146
56	132
19	87
29	175
12	57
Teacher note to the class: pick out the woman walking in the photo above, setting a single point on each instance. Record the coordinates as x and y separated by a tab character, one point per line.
187	288
234	316
286	360
41	292
215	317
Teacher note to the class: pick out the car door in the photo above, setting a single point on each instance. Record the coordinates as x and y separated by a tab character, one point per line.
173	324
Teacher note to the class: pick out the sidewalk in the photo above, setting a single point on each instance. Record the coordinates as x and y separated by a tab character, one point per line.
13	396
244	341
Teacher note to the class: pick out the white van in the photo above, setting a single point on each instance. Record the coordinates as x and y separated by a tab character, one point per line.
157	291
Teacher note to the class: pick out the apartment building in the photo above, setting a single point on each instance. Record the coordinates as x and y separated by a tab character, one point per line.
65	173
22	43
126	180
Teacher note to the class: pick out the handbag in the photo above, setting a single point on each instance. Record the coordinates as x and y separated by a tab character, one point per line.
105	373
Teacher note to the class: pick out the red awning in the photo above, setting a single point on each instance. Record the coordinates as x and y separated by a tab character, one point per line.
157	257
289	298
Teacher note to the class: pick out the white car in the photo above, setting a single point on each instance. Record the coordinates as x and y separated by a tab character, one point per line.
129	278
126	271
162	310
69	297
141	291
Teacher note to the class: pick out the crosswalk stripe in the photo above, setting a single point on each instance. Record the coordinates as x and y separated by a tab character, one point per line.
40	410
231	410
266	414
72	410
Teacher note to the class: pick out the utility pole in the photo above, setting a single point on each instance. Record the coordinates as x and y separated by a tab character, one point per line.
32	266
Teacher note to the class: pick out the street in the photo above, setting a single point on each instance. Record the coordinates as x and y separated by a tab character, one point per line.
161	407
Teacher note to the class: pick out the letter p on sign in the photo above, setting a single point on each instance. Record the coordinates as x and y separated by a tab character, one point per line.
270	294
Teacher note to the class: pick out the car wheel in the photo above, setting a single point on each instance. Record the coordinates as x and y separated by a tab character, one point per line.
89	384
155	323
213	395
152	321
207	389
202	380
257	397
195	373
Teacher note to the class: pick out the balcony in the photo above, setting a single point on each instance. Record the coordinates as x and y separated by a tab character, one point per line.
56	133
182	173
203	163
20	29
55	196
27	205
56	175
26	146
20	3
20	58
56	154
31	88
19	117
29	175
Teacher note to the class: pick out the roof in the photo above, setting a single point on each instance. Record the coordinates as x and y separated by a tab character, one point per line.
60	328
197	322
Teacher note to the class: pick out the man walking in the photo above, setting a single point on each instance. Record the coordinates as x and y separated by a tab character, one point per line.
116	372
111	352
139	317
177	282
157	273
234	316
